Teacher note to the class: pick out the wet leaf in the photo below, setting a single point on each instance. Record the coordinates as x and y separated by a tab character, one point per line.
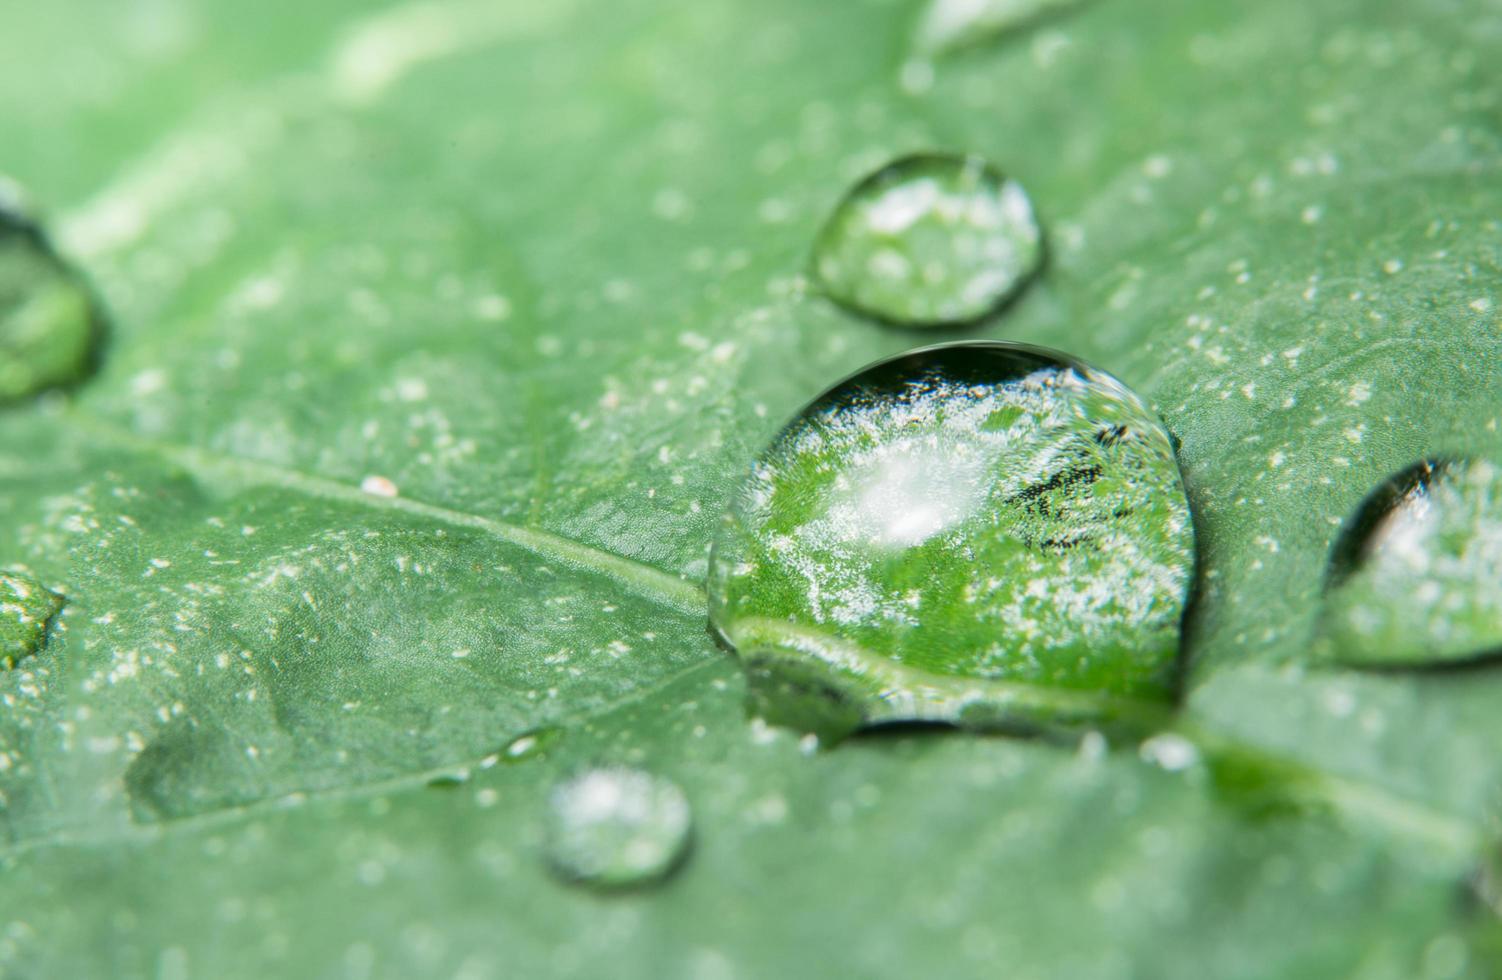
441	334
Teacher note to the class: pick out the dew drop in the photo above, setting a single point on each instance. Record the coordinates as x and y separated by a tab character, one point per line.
530	744
1416	574
26	610
987	534
950	24
929	240
50	327
617	827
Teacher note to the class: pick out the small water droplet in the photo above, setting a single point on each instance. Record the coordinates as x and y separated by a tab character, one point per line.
929	240
27	608
530	745
1416	574
617	827
449	780
50	327
984	533
950	24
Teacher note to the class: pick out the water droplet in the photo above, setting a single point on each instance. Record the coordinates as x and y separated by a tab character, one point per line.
1416	574
950	24
530	745
929	240
984	533
50	326
617	827
26	609
449	780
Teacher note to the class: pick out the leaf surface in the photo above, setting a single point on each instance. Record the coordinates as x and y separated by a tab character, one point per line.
537	268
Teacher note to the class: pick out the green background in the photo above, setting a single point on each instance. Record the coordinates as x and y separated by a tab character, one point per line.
542	272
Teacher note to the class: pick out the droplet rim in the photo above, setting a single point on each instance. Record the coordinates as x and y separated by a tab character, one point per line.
1350	545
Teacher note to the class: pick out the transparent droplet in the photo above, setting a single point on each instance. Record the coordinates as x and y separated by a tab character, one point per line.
984	533
530	745
1416	574
50	327
929	240
26	609
949	24
616	827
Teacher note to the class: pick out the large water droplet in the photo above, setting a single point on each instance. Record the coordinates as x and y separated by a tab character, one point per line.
617	827
984	533
929	240
1416	575
949	24
49	324
27	607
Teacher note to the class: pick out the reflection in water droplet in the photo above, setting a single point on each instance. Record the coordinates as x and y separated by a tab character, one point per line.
949	24
49	325
1416	575
617	827
983	533
929	240
26	609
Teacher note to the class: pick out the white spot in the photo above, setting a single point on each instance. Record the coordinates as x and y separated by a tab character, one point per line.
378	486
1340	702
1169	751
1157	166
917	76
671	204
774	211
148	382
492	306
1093	746
411	389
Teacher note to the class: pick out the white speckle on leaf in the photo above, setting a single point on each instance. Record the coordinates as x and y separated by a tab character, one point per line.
1169	751
411	389
378	486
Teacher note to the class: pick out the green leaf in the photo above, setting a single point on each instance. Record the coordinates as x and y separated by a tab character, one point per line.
440	335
